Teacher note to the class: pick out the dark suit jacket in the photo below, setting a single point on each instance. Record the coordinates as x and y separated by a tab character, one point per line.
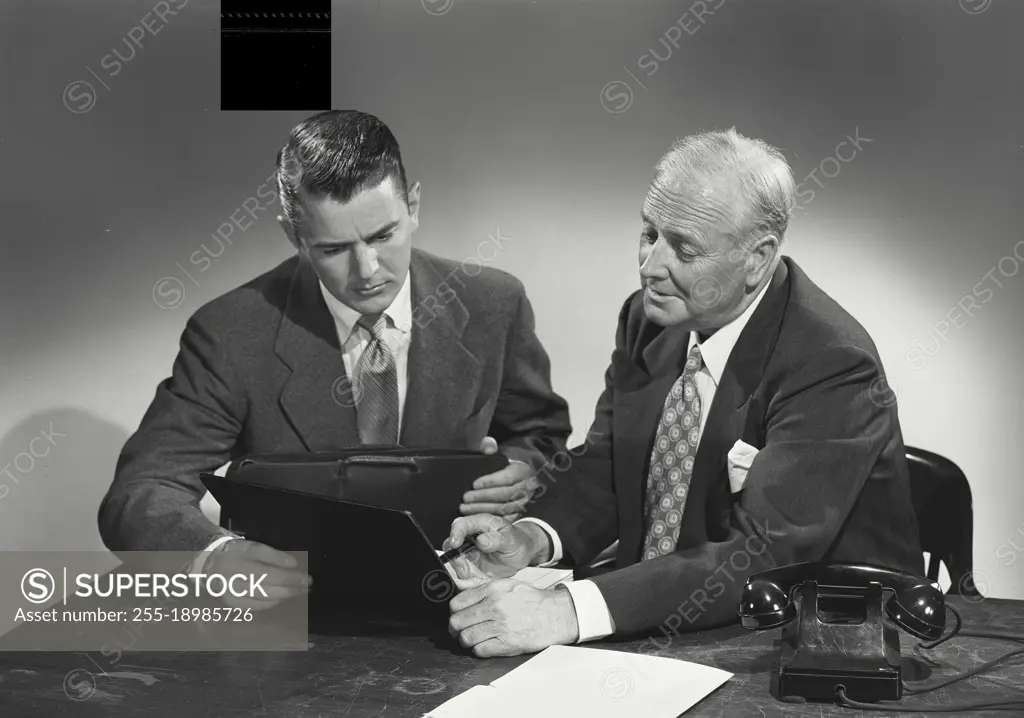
259	368
829	482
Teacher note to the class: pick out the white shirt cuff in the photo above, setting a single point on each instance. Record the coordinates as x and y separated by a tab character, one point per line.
197	563
592	614
556	544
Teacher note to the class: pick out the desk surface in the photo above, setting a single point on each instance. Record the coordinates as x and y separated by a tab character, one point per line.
373	674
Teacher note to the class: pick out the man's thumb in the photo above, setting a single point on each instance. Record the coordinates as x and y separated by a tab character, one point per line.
489	445
489	542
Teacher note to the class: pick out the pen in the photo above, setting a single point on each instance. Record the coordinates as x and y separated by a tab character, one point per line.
454	553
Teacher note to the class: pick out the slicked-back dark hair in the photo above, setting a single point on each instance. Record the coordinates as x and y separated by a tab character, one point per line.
337	154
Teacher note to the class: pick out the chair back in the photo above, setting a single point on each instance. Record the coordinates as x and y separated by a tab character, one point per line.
942	501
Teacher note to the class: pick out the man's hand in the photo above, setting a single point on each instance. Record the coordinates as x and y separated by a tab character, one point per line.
239	556
501	547
507	618
505	492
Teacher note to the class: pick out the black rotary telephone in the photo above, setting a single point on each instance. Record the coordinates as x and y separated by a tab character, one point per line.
839	642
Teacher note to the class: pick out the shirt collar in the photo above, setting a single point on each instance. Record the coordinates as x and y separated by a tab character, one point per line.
715	350
345	317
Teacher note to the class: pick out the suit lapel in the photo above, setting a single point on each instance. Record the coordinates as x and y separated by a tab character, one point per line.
644	382
728	412
316	399
444	376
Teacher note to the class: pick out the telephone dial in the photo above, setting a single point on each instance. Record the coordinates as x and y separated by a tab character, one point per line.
834	636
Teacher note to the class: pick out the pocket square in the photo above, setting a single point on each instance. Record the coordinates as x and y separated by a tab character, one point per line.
741	456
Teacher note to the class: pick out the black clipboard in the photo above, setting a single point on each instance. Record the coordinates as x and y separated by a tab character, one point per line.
428	482
365	560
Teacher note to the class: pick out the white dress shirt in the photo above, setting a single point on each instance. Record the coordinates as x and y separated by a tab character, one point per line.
353	340
592	614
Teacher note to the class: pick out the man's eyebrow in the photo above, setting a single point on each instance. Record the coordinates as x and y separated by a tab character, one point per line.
328	243
384	230
676	236
377	233
669	232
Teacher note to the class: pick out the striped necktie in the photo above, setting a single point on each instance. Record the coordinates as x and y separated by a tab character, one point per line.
671	466
377	381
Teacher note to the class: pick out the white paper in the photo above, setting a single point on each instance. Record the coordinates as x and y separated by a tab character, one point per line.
543	577
477	701
575	681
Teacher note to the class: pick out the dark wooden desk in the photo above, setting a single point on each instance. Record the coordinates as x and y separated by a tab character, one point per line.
394	675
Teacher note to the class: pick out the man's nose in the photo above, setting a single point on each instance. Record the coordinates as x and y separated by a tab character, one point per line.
653	263
366	261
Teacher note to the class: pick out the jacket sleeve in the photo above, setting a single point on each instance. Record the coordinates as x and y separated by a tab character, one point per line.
191	426
530	421
576	496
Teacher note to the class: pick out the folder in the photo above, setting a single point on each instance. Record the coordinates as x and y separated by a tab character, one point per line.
428	483
365	560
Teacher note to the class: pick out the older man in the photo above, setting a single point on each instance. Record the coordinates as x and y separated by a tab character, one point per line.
743	425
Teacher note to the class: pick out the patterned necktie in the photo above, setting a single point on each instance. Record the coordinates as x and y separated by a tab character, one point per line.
675	446
377	395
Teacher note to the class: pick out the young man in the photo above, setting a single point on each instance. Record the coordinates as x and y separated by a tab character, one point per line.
358	339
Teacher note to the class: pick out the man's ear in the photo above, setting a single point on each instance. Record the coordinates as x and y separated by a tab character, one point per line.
762	258
290	233
414	204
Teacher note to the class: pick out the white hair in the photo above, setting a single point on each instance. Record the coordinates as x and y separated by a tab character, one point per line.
748	170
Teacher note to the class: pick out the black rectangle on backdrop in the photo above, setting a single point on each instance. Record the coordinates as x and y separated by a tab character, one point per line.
275	55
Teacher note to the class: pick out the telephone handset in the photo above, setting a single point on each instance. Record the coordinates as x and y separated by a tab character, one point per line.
840	638
916	604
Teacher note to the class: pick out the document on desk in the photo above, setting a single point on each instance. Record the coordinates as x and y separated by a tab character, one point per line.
571	680
537	577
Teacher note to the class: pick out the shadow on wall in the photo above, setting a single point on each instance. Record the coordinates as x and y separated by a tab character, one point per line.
55	467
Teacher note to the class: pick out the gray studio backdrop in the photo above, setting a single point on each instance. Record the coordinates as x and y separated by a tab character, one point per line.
540	121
